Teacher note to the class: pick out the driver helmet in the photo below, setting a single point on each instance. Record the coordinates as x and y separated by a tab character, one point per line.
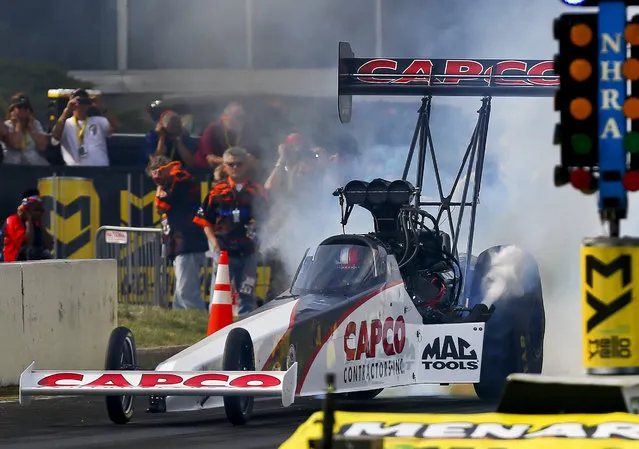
350	257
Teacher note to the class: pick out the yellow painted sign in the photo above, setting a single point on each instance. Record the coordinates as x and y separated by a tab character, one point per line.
610	327
483	431
143	209
72	215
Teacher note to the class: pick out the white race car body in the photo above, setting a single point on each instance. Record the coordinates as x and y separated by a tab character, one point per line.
373	338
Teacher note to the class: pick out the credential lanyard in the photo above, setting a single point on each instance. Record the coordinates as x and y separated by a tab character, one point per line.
79	132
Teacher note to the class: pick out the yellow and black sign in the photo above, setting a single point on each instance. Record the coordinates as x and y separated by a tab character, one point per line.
142	210
72	215
610	313
483	430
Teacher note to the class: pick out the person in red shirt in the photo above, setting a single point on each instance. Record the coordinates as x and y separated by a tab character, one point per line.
25	237
229	131
232	217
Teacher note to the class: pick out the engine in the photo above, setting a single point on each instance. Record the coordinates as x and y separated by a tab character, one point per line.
431	273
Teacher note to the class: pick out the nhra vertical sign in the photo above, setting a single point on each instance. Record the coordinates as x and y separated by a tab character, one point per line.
612	121
610	310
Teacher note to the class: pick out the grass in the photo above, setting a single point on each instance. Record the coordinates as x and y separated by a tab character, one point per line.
155	326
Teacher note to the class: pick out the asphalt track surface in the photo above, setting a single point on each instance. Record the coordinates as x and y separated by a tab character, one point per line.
83	423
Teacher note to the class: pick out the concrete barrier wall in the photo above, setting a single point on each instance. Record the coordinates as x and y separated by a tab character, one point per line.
59	313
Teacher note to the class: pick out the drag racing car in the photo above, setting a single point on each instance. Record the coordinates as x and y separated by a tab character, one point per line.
395	307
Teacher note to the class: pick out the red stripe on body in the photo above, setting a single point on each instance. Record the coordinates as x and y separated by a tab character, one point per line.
355	306
291	322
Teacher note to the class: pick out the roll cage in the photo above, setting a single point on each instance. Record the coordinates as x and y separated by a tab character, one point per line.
427	78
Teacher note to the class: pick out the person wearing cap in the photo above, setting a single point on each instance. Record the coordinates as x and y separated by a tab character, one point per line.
82	135
170	139
25	236
231	130
232	217
178	196
26	140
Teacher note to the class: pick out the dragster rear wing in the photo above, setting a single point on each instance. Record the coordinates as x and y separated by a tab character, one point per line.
440	77
144	383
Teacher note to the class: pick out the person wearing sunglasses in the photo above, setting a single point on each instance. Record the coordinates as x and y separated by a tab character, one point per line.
26	139
232	216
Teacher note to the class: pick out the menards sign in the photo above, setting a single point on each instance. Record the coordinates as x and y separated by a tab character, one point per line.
495	431
480	431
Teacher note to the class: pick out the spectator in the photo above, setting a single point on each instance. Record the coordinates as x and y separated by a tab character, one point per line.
232	216
219	174
25	237
298	169
170	139
26	139
229	131
178	196
4	134
82	130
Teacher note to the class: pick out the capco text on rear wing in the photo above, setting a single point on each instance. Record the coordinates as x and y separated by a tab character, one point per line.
143	383
440	77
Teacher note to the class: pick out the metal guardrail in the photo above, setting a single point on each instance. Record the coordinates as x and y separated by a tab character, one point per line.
142	264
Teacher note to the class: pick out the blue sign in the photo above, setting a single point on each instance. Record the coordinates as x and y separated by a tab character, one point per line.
612	94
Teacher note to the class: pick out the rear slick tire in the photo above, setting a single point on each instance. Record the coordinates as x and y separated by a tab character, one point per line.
121	355
238	356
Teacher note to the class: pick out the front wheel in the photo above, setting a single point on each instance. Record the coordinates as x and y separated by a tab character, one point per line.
238	356
121	355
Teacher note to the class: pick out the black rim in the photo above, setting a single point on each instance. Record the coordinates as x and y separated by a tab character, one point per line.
127	362
246	362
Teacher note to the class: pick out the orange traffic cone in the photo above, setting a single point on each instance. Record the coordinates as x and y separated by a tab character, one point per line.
221	312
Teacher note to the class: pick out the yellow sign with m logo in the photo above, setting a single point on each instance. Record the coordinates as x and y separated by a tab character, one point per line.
142	210
72	215
609	309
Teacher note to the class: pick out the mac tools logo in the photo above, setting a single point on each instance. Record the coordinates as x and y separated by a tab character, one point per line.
450	353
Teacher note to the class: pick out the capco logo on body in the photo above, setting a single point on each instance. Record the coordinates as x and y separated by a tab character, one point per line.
363	340
451	353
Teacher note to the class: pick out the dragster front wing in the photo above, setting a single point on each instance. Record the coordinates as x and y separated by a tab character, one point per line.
157	383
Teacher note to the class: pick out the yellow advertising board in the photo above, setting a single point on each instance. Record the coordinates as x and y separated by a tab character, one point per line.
72	215
610	328
481	431
140	208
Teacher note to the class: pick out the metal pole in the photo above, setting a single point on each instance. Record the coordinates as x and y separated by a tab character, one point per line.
378	28
122	13
54	224
249	34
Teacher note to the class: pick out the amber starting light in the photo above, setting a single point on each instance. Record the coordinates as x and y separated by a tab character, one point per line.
580	35
580	108
631	108
580	69
631	34
630	69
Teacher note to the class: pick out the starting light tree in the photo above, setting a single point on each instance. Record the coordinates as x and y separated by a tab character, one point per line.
631	72
576	100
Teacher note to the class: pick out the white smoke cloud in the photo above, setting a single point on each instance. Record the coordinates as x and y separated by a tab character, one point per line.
521	207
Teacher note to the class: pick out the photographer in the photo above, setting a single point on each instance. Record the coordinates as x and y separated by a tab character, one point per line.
26	139
25	237
170	139
82	130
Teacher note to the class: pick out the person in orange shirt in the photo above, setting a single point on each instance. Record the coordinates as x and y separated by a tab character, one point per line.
178	197
232	216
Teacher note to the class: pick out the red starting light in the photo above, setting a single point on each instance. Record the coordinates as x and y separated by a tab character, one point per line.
581	179
631	180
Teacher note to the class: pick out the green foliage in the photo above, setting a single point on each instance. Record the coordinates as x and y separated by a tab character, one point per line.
155	326
34	79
